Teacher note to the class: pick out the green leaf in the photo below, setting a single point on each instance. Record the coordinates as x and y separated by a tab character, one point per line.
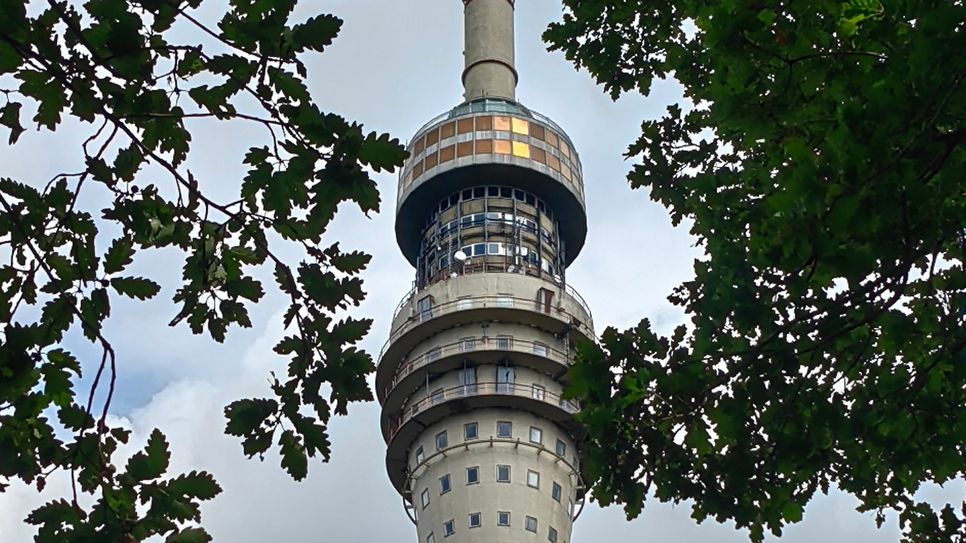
135	287
382	153
10	117
10	60
198	485
317	33
119	255
189	535
294	459
153	461
244	416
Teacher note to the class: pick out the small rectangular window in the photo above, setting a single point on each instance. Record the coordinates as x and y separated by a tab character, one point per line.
504	343
467	344
531	524
539	392
419	455
444	484
561	448
519	195
533	479
476	520
479	249
424	498
552	536
493	191
442	441
433	354
556	492
502	474
473	475
438	396
449	528
467	194
530	200
471	431
493	248
479	192
536	435
504	429
502	518
539	348
506	192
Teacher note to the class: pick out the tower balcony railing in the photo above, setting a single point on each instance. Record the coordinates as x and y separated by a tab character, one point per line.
486	302
463	392
493	268
466	346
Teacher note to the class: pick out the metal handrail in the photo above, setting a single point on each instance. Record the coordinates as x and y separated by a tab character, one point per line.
480	389
479	302
439	352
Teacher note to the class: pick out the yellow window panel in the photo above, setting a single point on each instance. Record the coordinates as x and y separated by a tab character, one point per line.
521	149
520	126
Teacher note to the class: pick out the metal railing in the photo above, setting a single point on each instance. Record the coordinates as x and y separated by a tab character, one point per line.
437	397
476	344
481	302
470	268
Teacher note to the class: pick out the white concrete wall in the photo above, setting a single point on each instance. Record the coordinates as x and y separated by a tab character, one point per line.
488	496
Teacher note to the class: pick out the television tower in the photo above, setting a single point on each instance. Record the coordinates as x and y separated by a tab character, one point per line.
490	212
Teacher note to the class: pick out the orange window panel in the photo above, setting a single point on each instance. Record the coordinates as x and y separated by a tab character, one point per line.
565	170
553	162
501	123
502	147
521	150
464	126
538	154
447	153
464	149
432	160
484	147
520	126
432	137
448	130
418	169
484	123
420	146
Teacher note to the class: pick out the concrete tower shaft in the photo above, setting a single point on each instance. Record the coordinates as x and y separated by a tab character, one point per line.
489	51
480	442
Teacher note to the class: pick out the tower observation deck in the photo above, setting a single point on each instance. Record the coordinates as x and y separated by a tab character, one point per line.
490	211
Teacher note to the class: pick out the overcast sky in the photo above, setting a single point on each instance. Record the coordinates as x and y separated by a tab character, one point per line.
396	64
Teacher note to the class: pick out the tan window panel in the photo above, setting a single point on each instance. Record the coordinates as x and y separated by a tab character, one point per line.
484	147
447	154
501	123
502	147
537	131
464	126
484	123
448	130
538	154
464	149
432	137
552	138
553	162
